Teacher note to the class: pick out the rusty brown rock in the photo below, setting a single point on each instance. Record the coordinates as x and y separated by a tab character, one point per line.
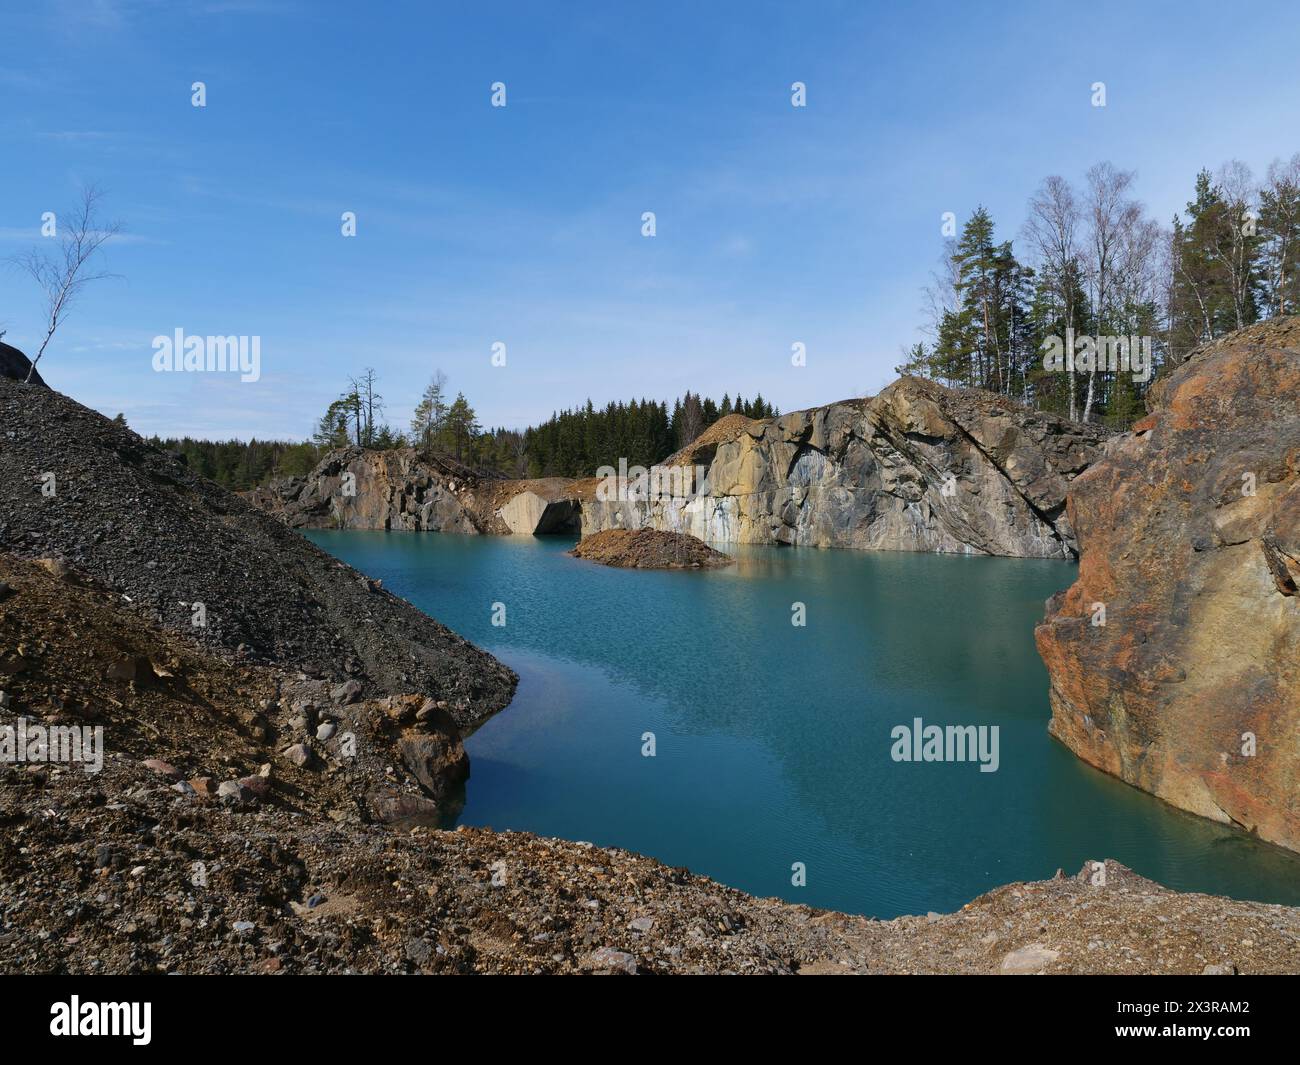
436	759
204	787
1189	532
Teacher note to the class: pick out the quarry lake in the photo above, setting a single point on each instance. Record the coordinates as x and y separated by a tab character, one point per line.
773	741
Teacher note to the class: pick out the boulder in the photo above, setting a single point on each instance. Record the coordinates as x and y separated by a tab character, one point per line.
437	759
15	365
406	811
1174	658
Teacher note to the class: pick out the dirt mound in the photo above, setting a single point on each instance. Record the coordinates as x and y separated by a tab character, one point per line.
701	449
648	549
178	548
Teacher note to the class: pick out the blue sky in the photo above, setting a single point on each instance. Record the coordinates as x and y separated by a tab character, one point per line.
522	224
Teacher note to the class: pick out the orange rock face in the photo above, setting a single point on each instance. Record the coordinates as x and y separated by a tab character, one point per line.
1175	656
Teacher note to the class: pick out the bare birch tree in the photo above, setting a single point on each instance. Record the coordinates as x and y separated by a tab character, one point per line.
63	275
1237	188
1280	222
1108	216
1052	231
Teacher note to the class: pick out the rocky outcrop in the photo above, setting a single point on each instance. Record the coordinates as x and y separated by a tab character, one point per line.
648	549
183	552
16	366
919	467
541	509
357	488
1175	656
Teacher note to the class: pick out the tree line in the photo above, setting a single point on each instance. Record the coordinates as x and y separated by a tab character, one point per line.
241	464
1093	264
571	443
576	442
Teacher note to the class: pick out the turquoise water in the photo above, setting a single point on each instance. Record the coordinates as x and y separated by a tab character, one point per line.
773	741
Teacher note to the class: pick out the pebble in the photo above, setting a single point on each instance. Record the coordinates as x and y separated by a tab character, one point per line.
1031	959
348	692
642	924
54	567
417	950
300	755
205	787
257	786
230	791
163	769
326	731
611	960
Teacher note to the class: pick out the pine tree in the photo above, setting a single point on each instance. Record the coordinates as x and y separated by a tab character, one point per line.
430	413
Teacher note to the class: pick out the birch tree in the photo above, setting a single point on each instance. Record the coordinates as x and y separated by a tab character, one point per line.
63	275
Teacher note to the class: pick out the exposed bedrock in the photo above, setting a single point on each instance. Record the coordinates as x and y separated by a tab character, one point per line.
919	467
355	488
1189	531
534	513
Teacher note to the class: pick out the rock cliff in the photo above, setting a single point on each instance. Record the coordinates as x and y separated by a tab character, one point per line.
1175	656
355	488
919	467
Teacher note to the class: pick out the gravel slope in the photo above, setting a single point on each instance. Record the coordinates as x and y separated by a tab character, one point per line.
139	522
